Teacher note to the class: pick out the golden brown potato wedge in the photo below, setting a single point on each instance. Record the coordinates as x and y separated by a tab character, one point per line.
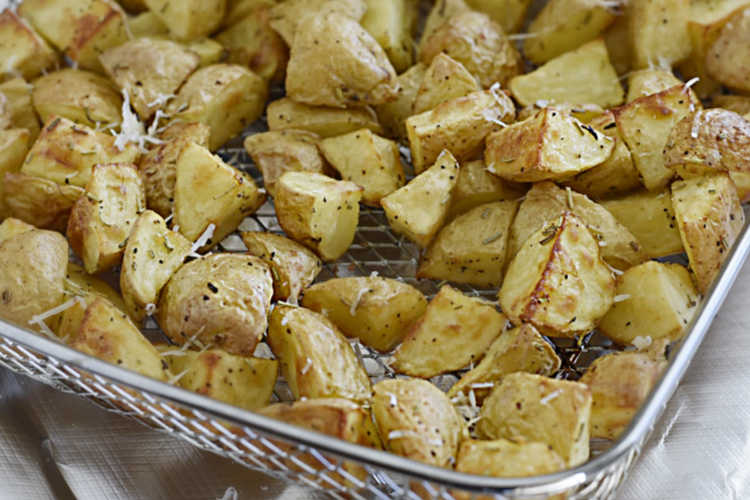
23	51
189	19
504	458
39	201
444	79
390	23
658	32
393	114
324	121
16	109
476	186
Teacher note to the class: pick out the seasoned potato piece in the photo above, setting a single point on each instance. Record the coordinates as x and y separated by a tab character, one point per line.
14	144
509	14
287	16
441	12
316	360
476	186
293	266
419	209
393	114
557	280
521	349
477	42
208	50
10	227
147	24
149	71
108	334
471	248
226	97
286	114
80	283
208	191
649	81
545	202
16	110
454	331
655	301
22	50
504	458
551	145
445	79
78	95
390	23
710	218
617	39
536	408
459	125
189	19
377	311
360	72
158	165
658	32
153	254
727	58
221	300
417	420
31	281
39	201
619	383
101	220
740	104
66	152
318	211
581	76
645	124
375	164
237	380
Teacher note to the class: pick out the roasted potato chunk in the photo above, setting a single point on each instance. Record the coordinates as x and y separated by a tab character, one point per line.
557	280
81	284
654	301
445	79
740	104
14	144
658	32
377	311
390	23
316	360
23	51
147	24
393	114
101	220
220	300
286	114
509	14
189	19
454	331
11	227
375	164
208	50
476	186
581	76
287	16
459	125
419	209
16	110
441	12
551	145
536	408
619	383
318	211
39	201
726	60
293	266
617	40
226	107
417	420
472	248
504	458
649	81
710	218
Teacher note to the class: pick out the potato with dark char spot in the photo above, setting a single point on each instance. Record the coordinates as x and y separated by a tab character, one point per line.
22	49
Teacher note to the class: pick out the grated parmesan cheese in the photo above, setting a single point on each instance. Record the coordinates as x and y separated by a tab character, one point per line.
621	298
150	309
131	128
176	378
40	318
357	300
483	385
642	342
549	397
393	400
202	240
307	366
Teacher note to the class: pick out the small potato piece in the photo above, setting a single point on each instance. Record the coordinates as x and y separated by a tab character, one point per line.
220	299
108	334
208	50
293	266
149	70
66	152
393	114
277	152
14	144
419	209
657	301
80	283
454	331
286	114
649	81
476	186
16	110
390	23
477	42
318	211
237	380
710	218
316	359
445	79
658	32
459	125
504	458
287	16
147	24
23	51
377	311
189	19
521	349
153	254
509	14
551	145
536	408
581	76
740	104
375	164
208	191
78	95
39	201
10	227
471	248
557	281
417	420
226	97
441	12
619	383
727	58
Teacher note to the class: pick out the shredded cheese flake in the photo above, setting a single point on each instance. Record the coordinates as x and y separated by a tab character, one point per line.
482	385
393	400
150	309
176	378
549	397
642	342
307	366
202	240
40	318
357	300
621	298
131	129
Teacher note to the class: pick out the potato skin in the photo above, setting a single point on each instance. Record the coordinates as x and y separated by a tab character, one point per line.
392	23
25	52
38	201
221	299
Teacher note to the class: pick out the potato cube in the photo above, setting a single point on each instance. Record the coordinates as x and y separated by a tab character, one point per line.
287	16
504	458
454	331
23	51
376	164
419	209
316	360
286	114
440	13
318	211
476	186
11	227
38	201
14	144
208	50
471	248
377	311
147	24
393	114
102	219
658	32
510	14
581	76
649	81
445	79
80	283
390	23
617	40
710	218
189	19
551	145
16	110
